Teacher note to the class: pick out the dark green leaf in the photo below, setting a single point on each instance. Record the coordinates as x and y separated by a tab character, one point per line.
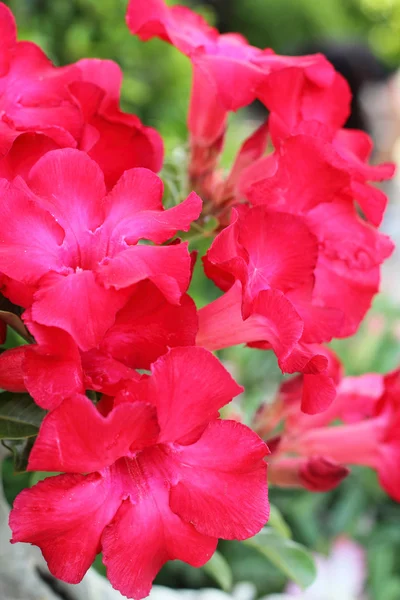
20	450
13	483
295	561
20	417
219	569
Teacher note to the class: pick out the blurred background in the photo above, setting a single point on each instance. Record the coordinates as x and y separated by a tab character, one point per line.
362	38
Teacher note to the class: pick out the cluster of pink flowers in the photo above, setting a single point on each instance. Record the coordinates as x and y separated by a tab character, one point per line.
150	471
297	261
361	427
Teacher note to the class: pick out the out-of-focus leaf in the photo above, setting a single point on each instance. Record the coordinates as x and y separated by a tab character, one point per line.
219	569
20	417
277	522
291	558
20	452
348	508
389	589
210	224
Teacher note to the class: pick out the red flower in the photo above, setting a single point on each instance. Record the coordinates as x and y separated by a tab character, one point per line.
143	331
345	150
227	69
257	259
73	106
228	73
316	474
250	250
297	177
369	434
34	94
354	148
117	141
63	237
164	477
225	74
11	370
53	368
350	250
317	95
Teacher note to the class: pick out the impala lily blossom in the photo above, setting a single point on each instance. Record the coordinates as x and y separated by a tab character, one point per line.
53	367
312	453
44	107
164	476
63	237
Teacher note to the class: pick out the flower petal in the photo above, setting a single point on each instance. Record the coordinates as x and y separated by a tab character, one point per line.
75	437
30	236
273	322
145	535
52	367
105	374
79	305
135	211
168	267
223	482
188	386
71	186
8	38
272	241
143	331
65	516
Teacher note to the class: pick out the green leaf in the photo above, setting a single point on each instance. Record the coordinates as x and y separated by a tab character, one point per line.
20	417
295	561
390	589
20	450
219	569
277	522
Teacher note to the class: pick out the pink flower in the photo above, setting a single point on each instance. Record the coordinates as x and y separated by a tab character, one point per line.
34	94
369	434
75	106
117	141
63	237
319	97
350	250
53	368
345	150
228	74
315	386
270	299
250	250
316	474
216	59
164	477
355	148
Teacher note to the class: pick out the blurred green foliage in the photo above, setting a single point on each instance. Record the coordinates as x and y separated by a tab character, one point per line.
288	24
156	86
